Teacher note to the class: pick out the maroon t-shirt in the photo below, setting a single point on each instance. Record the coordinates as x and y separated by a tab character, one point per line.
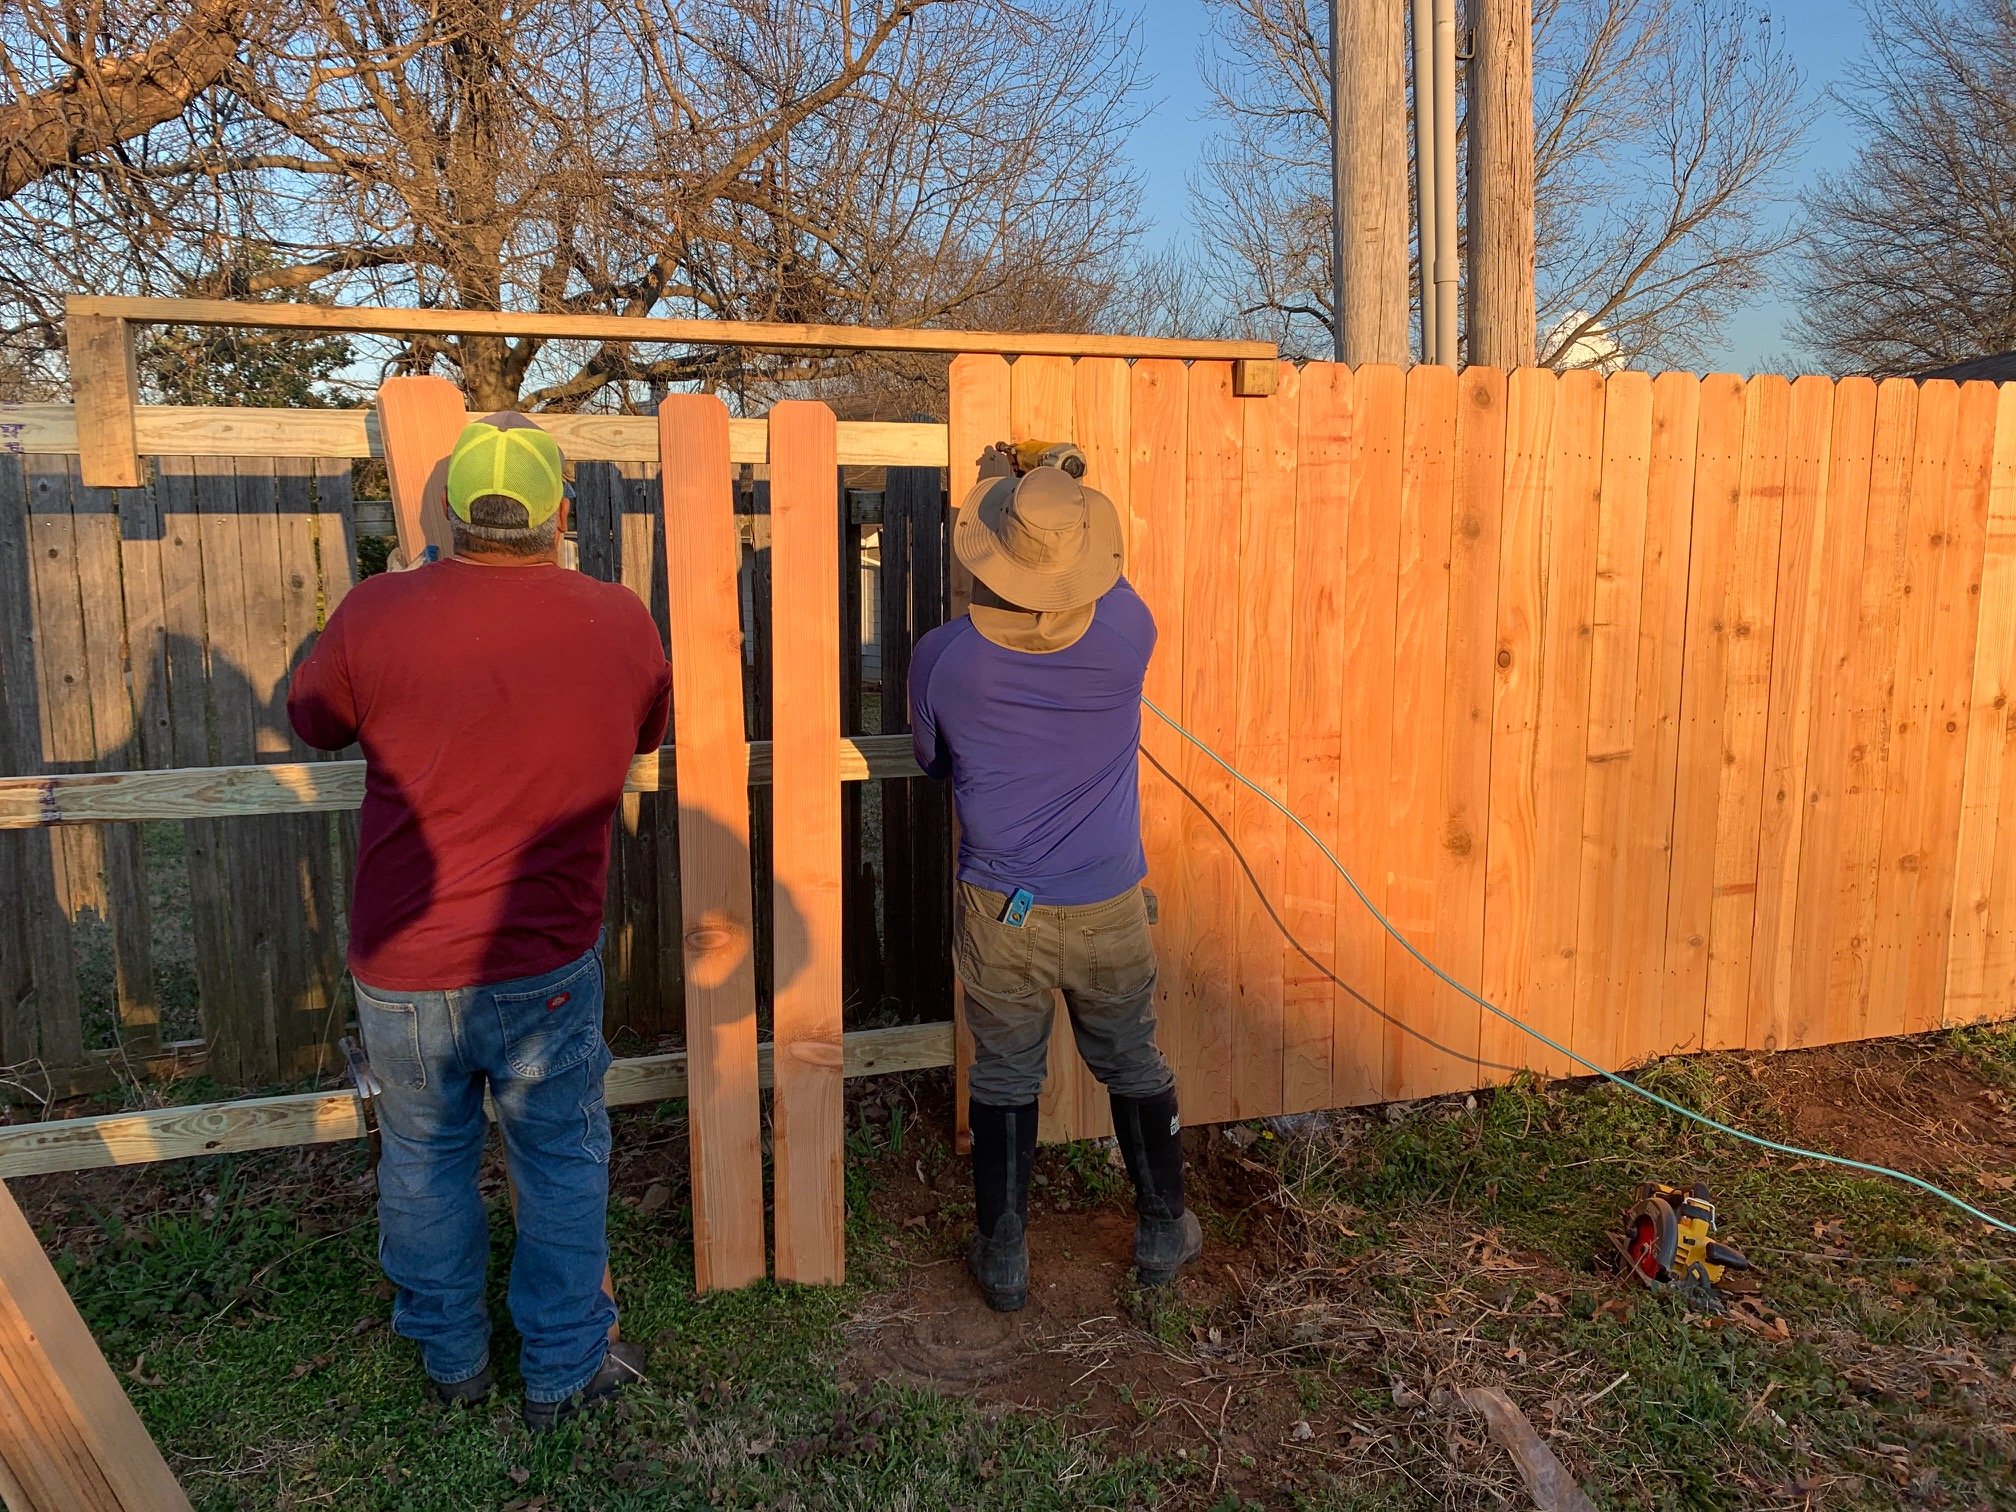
499	709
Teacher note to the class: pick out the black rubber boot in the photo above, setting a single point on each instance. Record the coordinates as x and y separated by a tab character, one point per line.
1004	1145
1166	1234
622	1365
470	1393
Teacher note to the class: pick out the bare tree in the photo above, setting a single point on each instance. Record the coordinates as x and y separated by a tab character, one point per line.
1663	131
886	161
1914	247
82	78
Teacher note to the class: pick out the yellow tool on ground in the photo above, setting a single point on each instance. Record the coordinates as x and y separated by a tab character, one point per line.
1025	456
1668	1242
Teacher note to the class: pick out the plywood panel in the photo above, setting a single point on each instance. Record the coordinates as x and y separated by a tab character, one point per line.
1158	413
1836	630
1615	751
1638	967
808	1127
1796	657
1371	595
1261	744
1414	764
1310	887
1211	879
1981	962
1512	845
1690	903
713	779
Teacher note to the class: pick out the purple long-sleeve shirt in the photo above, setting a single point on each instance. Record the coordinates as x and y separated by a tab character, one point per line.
1043	750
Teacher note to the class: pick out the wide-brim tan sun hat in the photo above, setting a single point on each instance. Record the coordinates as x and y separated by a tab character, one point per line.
1043	541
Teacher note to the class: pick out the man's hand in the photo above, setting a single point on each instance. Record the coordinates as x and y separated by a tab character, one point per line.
395	560
998	461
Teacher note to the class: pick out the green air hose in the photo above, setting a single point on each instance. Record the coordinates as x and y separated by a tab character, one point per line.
1555	1045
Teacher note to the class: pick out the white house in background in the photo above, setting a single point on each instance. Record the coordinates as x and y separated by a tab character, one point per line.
1593	348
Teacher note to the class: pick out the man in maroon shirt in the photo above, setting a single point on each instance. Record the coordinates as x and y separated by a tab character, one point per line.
498	699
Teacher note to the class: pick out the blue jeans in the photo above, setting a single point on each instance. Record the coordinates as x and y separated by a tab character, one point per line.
537	1043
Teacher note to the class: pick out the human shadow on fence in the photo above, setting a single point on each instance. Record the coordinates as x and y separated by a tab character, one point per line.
1469	1057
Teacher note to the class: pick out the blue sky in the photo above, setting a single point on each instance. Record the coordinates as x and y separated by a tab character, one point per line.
1825	36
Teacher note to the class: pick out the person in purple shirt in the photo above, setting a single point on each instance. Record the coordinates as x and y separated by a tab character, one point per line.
1031	705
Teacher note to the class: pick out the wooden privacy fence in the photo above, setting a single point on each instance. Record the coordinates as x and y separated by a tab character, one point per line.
157	627
1668	713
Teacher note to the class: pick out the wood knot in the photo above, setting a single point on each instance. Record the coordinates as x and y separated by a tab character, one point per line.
1456	838
1504	656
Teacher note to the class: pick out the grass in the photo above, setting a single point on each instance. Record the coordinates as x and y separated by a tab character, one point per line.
1394	1254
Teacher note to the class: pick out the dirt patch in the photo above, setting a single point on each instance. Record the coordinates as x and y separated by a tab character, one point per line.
1911	1104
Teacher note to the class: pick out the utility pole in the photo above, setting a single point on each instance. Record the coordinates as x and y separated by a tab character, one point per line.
1502	320
1368	113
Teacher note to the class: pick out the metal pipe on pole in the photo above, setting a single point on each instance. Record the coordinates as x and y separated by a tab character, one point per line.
1427	166
1446	272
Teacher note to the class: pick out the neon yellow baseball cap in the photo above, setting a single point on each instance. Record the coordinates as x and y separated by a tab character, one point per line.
506	455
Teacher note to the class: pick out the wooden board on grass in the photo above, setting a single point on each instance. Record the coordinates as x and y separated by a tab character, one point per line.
808	1119
1311	889
70	1441
1262	738
419	419
715	890
1413	1046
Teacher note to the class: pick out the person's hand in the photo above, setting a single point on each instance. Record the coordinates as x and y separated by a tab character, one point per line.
395	560
998	461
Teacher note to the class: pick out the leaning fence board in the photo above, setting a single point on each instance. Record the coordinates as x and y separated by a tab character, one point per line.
1310	888
1261	738
299	1118
1981	966
808	1121
1412	1047
700	558
69	1438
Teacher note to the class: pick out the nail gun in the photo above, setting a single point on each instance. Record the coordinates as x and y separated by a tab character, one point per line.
1026	456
